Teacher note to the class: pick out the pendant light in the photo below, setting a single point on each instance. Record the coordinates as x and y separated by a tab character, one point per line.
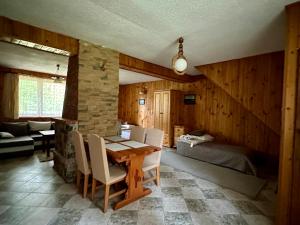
179	62
58	79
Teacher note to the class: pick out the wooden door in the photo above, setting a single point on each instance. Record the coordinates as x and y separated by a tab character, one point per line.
162	114
166	112
157	103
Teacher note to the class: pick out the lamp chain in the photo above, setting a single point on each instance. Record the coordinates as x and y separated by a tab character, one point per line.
180	49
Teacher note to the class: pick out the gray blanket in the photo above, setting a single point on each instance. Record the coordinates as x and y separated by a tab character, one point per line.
231	156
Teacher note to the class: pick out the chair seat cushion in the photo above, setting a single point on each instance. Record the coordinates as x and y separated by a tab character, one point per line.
149	166
116	173
89	170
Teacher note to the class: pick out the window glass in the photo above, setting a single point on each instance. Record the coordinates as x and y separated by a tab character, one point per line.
40	97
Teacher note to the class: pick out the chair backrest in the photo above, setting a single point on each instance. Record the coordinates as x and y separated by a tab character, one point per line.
138	134
80	154
154	137
98	158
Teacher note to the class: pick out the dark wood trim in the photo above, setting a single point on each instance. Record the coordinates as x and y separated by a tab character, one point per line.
295	4
25	119
246	57
70	109
14	29
29	73
137	65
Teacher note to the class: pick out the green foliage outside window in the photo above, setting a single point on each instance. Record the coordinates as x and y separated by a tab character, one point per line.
40	97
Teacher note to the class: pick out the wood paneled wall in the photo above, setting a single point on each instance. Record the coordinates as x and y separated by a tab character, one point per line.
216	110
254	82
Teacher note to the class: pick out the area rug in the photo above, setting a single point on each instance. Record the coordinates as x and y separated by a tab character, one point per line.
43	156
237	181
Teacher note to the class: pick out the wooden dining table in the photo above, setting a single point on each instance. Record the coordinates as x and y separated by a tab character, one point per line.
133	159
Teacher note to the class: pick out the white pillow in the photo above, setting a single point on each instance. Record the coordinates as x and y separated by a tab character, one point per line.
6	135
207	137
38	126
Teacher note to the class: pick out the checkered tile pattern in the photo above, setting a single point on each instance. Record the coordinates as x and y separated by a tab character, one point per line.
32	193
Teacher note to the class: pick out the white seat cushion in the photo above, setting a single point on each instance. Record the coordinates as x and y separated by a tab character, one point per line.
88	172
116	173
149	166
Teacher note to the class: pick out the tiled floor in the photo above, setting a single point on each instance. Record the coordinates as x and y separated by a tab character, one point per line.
32	193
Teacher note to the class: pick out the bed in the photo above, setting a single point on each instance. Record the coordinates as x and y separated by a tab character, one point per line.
231	156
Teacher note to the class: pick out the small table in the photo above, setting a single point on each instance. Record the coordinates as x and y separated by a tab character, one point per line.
47	136
133	159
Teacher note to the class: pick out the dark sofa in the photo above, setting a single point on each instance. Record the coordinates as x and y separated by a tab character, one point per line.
23	137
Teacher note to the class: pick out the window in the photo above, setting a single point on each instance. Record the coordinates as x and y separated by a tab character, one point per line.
40	97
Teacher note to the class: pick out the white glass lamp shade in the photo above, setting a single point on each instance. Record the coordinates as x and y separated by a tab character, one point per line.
180	64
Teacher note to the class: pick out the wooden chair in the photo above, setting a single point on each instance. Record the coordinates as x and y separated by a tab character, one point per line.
138	134
101	171
154	137
81	161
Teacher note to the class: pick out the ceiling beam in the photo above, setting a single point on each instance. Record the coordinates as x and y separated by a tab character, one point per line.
29	72
13	29
130	63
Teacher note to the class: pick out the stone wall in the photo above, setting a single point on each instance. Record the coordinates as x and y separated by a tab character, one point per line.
64	153
98	89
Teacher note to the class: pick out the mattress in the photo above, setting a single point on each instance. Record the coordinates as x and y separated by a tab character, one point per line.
230	156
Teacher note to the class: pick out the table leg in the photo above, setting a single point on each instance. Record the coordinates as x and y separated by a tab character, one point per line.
134	182
48	147
44	144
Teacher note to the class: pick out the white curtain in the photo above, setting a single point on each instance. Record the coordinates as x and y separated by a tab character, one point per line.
10	99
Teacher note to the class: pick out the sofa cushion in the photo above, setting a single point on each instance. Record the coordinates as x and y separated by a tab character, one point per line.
16	141
39	125
4	135
16	128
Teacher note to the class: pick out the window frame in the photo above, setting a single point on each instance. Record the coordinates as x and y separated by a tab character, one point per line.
40	97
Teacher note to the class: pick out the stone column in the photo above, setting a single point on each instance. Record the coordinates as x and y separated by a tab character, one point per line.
98	89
